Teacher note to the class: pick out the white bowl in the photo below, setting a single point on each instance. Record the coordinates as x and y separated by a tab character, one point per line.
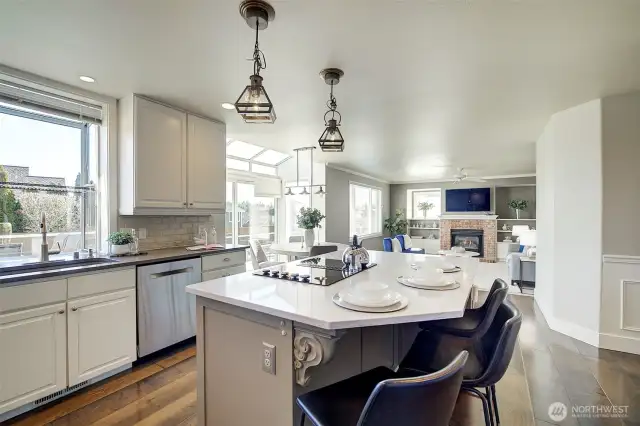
370	294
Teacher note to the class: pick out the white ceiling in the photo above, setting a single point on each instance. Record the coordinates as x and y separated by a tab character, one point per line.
428	83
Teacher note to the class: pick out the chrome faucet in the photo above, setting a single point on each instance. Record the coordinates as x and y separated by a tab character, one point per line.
44	247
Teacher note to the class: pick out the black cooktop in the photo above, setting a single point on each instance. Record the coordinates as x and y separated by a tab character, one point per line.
315	270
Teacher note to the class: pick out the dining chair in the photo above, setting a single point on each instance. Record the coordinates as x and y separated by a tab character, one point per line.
318	250
489	356
382	397
259	258
475	322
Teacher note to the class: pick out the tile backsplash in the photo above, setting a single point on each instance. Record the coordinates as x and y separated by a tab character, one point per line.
172	231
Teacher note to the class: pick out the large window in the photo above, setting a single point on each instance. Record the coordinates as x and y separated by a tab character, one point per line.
365	210
248	216
293	204
253	158
431	196
48	163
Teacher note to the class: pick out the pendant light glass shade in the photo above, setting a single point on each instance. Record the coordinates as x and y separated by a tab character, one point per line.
331	139
254	105
320	191
304	191
289	192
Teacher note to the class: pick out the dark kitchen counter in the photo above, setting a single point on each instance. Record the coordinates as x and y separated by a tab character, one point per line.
8	277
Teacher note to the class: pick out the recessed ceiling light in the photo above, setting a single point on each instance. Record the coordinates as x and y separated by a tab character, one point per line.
227	105
87	79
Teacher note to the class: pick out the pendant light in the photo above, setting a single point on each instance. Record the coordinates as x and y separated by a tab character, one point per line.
254	104
331	139
311	185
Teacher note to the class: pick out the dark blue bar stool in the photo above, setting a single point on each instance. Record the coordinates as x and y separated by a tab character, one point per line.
475	322
382	397
489	356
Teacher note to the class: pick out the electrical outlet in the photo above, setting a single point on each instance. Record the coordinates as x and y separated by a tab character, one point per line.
142	233
268	358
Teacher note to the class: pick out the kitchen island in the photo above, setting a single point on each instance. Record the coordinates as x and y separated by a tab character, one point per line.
264	341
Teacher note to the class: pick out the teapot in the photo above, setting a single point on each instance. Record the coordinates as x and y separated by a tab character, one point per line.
355	256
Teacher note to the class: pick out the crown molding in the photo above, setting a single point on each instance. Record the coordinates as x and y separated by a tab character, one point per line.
353	172
439	180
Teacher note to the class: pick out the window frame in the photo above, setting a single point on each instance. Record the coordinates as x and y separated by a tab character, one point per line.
414	214
371	188
84	162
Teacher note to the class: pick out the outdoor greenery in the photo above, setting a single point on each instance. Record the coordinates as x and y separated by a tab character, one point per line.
397	224
309	218
518	204
119	238
425	206
11	210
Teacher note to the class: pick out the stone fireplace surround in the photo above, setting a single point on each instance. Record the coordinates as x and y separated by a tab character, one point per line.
487	223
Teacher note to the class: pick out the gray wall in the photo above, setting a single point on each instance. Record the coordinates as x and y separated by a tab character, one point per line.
399	191
503	194
621	174
337	206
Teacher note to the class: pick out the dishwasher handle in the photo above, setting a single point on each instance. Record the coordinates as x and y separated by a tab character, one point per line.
174	272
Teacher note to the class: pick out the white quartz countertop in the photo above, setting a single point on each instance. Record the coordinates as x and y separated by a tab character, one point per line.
312	305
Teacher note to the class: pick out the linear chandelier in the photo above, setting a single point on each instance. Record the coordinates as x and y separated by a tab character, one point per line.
331	139
254	104
304	191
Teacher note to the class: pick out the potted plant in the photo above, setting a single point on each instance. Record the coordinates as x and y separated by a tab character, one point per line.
424	207
397	224
518	205
309	219
120	241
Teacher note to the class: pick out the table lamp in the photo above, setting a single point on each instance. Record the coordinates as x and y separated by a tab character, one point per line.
528	239
518	230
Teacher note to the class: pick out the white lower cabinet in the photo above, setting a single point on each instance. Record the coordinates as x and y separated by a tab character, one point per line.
226	272
33	354
102	334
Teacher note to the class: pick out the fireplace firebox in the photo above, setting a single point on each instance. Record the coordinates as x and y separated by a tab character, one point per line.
470	239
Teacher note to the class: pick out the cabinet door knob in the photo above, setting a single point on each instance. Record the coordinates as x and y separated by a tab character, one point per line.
190	204
61	311
74	309
226	259
184	204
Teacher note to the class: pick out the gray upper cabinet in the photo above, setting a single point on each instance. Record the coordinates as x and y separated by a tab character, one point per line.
170	162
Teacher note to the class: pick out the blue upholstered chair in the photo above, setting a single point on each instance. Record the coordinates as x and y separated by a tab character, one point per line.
386	244
406	250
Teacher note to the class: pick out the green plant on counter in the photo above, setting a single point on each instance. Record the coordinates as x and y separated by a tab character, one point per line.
120	238
397	224
518	204
309	218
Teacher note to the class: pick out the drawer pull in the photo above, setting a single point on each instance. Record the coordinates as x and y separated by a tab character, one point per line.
174	272
74	309
226	259
61	311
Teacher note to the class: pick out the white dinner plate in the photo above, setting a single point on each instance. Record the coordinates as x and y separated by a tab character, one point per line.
354	298
404	301
450	285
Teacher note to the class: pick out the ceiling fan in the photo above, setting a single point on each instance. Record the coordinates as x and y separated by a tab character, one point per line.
462	175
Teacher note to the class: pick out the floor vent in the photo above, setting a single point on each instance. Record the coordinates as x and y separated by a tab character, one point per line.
59	393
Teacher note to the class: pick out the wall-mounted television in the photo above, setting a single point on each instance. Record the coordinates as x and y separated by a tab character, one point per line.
468	200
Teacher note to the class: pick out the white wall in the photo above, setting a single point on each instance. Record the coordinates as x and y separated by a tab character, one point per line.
569	264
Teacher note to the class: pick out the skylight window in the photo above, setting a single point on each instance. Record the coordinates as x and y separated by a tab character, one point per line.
243	149
237	164
270	157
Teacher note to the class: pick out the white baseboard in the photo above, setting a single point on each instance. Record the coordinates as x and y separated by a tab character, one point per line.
620	343
583	334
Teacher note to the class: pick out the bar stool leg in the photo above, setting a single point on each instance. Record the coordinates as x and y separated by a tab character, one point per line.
495	403
302	419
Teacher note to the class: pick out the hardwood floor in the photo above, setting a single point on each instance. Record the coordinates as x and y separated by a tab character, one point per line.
546	367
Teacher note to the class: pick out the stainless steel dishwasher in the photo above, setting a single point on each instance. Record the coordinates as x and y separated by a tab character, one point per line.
166	312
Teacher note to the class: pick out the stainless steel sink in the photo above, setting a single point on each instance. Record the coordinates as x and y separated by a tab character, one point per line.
54	265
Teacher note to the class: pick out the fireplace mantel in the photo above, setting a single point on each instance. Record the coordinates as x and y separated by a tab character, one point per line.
469	217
